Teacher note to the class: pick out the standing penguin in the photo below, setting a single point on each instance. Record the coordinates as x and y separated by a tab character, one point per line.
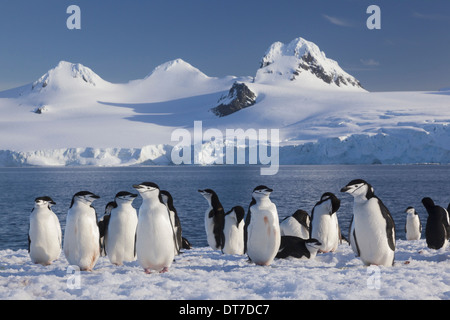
82	236
214	220
155	246
324	222
374	228
120	230
103	223
174	220
262	227
234	231
297	225
44	235
413	226
436	230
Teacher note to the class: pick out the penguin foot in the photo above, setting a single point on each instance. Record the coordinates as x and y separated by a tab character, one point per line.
164	270
147	271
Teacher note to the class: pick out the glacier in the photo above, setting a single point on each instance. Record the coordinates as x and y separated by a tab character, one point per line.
388	146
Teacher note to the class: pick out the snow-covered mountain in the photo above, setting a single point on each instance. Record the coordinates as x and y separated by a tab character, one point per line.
302	62
71	116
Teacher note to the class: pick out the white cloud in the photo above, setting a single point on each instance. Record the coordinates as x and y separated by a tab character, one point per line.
430	16
337	21
369	62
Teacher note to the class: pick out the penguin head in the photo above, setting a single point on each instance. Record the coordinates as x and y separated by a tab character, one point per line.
334	201
238	212
207	193
302	217
428	203
147	189
84	197
313	245
108	208
359	188
44	202
167	199
410	211
125	196
261	192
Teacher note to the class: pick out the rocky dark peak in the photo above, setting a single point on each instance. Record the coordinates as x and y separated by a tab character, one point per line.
238	97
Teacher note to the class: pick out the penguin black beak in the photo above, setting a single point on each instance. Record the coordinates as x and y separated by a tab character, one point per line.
345	189
95	196
52	202
133	195
136	186
201	191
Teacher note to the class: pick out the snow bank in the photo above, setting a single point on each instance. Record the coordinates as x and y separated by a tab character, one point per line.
201	273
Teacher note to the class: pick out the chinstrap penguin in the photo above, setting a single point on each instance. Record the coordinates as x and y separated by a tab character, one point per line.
296	247
174	220
297	225
436	230
120	229
44	234
214	219
262	228
374	228
413	226
102	224
324	222
155	247
82	236
234	231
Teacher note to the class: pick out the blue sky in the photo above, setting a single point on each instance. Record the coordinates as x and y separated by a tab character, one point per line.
126	40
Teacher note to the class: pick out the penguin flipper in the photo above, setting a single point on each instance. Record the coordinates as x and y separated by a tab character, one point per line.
446	223
29	243
390	225
358	253
248	219
103	225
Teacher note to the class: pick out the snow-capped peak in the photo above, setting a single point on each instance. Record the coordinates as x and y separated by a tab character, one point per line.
302	61
63	74
177	66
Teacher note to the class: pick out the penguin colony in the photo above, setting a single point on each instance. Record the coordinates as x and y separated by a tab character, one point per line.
153	234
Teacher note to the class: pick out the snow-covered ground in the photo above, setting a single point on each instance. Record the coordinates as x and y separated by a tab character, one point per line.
201	273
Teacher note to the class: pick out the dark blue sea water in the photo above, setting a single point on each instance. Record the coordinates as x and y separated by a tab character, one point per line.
295	187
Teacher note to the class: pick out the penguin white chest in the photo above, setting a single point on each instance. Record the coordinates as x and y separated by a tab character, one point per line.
121	235
81	238
155	241
412	227
209	228
264	236
371	235
325	229
45	236
234	236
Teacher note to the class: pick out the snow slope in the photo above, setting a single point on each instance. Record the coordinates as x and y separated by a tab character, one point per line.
204	274
71	115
